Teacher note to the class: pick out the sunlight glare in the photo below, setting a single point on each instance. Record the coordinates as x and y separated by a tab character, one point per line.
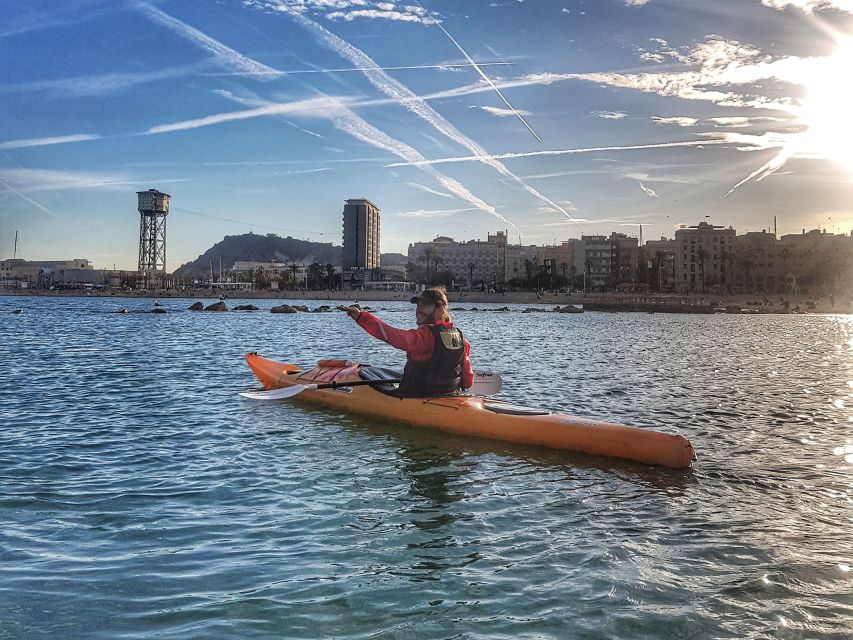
827	108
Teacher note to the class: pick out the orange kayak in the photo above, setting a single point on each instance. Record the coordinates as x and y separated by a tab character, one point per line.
473	415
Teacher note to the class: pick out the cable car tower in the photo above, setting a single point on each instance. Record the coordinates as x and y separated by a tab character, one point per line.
153	209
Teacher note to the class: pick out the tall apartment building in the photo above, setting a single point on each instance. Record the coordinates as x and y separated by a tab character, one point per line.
704	258
360	235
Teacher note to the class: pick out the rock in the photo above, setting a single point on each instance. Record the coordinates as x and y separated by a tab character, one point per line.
534	310
17	311
458	309
569	308
197	306
300	307
157	310
283	308
245	307
322	309
217	306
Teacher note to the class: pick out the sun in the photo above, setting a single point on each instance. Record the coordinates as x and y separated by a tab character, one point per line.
827	110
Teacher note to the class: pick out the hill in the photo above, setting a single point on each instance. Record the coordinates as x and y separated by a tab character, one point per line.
264	248
261	248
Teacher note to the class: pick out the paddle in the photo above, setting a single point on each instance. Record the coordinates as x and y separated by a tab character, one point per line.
296	389
485	384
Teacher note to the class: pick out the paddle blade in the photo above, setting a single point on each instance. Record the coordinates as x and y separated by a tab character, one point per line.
278	394
486	384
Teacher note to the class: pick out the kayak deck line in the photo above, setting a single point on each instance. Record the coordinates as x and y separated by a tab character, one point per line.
475	416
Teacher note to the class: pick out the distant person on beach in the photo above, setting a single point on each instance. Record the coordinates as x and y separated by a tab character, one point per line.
437	354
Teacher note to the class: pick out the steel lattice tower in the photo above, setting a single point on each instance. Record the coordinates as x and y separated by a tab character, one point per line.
153	209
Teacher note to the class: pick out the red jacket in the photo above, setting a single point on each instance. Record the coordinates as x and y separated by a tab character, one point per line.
417	343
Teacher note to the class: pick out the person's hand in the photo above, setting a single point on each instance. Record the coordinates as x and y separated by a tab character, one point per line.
353	311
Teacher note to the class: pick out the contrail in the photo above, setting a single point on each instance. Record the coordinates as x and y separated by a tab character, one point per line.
350	123
40	142
769	167
351	69
30	200
229	56
565	152
406	98
483	75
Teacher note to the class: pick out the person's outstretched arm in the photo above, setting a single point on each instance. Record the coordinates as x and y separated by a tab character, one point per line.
418	343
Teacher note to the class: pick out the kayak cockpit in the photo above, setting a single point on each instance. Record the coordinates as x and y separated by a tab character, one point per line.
369	372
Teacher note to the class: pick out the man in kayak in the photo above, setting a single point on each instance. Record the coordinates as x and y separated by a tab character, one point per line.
436	352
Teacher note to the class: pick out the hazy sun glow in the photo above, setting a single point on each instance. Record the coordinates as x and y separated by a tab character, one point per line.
828	109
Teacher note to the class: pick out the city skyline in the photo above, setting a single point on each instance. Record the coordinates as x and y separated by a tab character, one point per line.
266	115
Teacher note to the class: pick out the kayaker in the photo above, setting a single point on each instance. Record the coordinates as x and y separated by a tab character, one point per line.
437	354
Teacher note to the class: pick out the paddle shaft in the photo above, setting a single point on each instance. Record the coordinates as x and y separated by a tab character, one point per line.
353	383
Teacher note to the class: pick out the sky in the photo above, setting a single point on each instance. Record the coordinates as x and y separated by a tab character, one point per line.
549	119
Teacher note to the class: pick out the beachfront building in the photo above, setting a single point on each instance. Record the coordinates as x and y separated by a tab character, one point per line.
704	260
604	263
489	264
23	274
474	262
808	262
657	264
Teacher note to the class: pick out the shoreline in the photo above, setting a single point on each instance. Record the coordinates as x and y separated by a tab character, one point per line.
625	302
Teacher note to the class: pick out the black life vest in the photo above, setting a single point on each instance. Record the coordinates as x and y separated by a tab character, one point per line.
442	373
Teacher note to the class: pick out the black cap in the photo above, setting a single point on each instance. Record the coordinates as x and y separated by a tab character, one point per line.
435	296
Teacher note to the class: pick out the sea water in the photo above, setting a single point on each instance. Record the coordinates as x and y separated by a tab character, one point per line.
142	497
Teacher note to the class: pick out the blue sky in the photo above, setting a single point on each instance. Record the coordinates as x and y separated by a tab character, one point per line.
550	119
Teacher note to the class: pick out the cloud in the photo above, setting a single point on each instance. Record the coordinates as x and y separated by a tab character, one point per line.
379	14
500	113
635	3
739	122
349	10
810	6
649	192
41	142
610	115
680	121
730	121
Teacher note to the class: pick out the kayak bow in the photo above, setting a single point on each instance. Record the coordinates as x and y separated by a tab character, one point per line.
476	416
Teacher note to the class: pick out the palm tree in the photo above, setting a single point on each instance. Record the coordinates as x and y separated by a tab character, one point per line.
702	254
528	269
431	258
470	276
293	271
330	276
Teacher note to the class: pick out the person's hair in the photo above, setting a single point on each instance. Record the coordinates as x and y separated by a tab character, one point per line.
440	294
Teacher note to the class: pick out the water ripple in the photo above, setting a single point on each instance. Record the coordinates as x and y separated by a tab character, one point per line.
141	497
